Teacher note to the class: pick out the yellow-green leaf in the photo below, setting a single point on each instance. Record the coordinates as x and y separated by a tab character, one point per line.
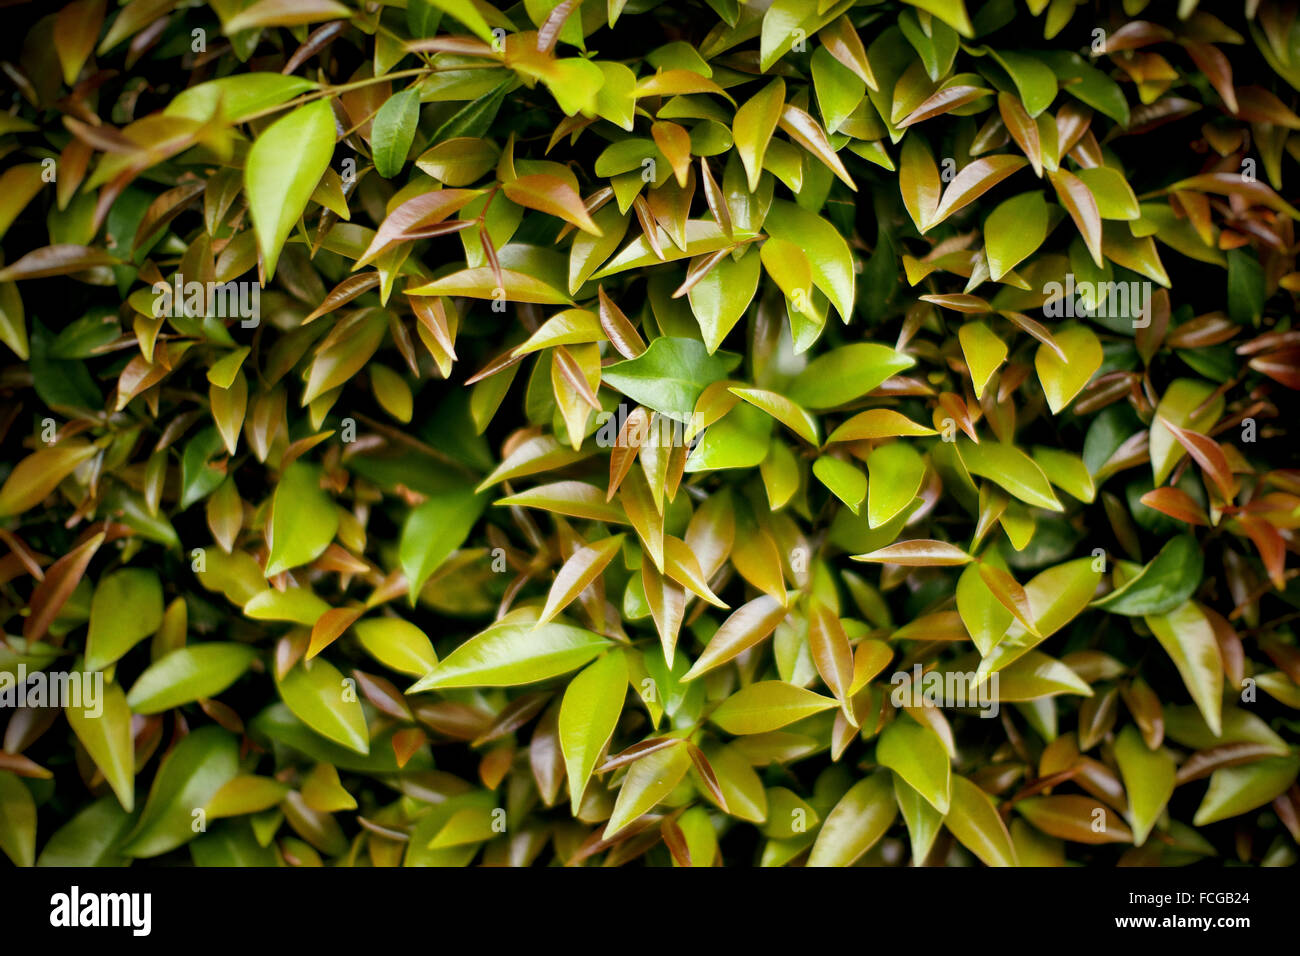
858	820
325	701
1063	379
283	167
589	712
753	126
1148	780
767	705
107	738
917	755
976	823
303	519
513	651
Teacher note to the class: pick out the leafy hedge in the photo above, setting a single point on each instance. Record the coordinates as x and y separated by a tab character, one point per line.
792	432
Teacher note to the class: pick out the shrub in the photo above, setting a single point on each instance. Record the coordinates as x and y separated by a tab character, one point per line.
782	433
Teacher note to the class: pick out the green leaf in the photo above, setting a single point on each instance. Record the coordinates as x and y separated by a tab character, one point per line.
13	324
1014	231
1010	468
1237	790
1149	780
298	605
1247	289
238	97
1035	675
189	775
589	252
786	264
859	819
589	713
1115	198
785	809
843	374
283	167
780	22
844	480
648	781
827	251
127	608
919	183
917	755
1063	379
923	821
232	845
722	296
669	375
1035	81
739	440
985	617
393	132
17	820
768	705
472	825
433	530
467	13
702	237
983	351
188	674
322	699
616	98
198	476
1067	471
268	13
1187	726
897	471
780	474
1166	582
397	644
1188	637
278	724
576	499
574	83
977	825
303	519
512	652
39	474
422	18
91	838
108	740
475	118
248	794
783	410
1056	596
741	786
839	89
753	126
1087	84
459	162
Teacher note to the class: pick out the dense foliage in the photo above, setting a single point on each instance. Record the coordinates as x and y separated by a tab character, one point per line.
705	432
